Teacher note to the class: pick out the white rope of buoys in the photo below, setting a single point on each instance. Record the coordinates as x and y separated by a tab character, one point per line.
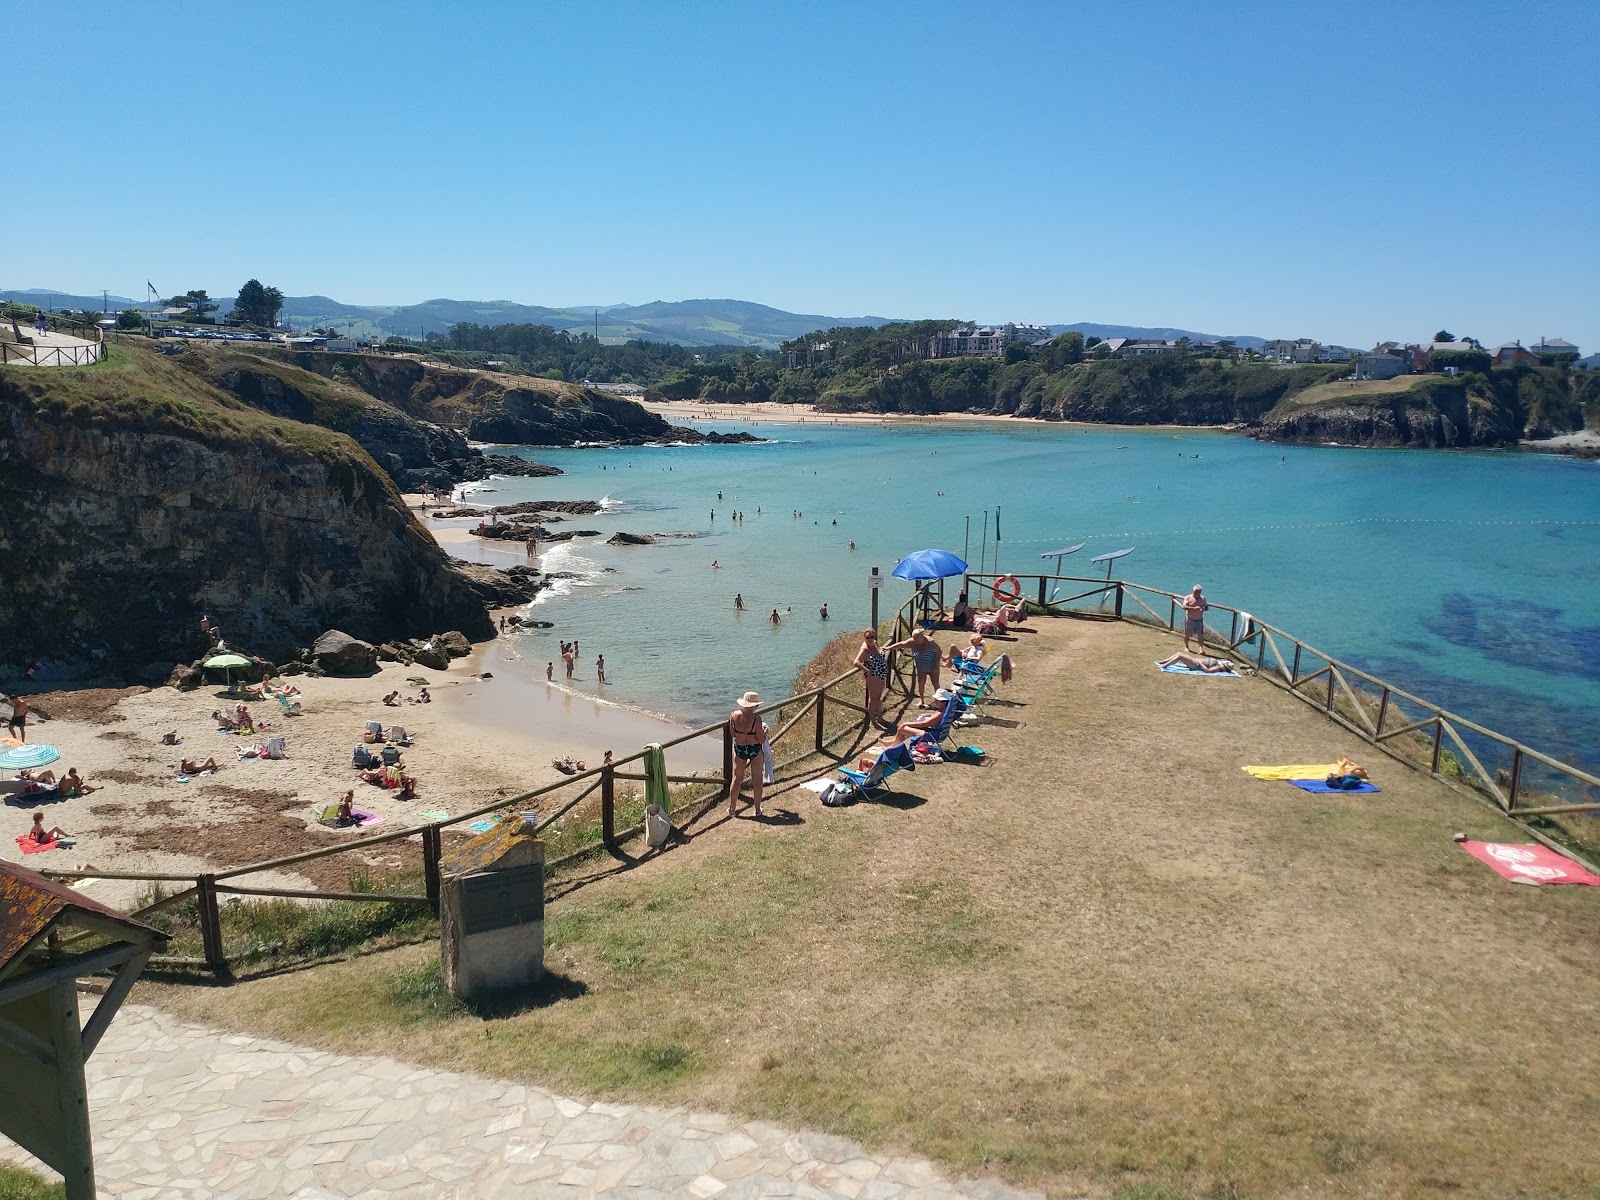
1149	533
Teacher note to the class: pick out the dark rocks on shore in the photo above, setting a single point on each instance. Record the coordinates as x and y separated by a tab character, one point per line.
337	653
630	539
500	588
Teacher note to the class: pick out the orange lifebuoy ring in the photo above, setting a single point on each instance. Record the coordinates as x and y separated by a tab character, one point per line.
1014	593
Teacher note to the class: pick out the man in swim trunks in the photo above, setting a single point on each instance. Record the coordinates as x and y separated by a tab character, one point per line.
749	732
19	718
1194	613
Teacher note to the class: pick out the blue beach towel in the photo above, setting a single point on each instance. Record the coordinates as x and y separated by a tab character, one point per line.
1177	670
1317	785
481	826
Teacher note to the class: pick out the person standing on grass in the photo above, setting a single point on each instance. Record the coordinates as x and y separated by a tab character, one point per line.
874	673
749	732
924	662
1194	622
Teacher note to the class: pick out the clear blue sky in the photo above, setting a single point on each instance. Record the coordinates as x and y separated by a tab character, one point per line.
1345	172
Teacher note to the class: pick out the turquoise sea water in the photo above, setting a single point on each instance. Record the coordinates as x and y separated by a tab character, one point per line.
1473	579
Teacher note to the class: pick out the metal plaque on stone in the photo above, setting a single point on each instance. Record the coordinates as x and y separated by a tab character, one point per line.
501	899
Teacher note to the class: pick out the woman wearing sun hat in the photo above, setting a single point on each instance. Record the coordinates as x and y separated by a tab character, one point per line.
749	732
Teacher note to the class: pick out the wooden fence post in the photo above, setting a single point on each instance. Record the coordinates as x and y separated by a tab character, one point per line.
205	887
1119	599
1438	744
608	806
432	852
821	697
1041	591
1516	780
1383	711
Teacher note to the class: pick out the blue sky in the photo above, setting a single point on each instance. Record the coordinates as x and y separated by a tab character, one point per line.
1344	172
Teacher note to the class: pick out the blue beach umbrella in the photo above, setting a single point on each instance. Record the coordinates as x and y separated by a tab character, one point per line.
928	564
28	756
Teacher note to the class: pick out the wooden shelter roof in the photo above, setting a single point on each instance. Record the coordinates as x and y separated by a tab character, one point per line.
30	904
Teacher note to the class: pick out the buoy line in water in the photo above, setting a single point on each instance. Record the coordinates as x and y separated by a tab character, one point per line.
1150	533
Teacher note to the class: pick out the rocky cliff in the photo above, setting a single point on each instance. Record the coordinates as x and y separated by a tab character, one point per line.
136	497
1435	411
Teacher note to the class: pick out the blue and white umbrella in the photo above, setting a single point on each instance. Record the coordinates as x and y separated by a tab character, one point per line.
929	564
28	756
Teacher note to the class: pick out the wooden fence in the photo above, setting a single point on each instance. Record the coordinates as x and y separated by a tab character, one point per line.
1401	725
53	356
1519	780
800	737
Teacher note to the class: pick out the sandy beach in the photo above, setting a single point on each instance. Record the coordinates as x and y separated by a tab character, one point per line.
490	731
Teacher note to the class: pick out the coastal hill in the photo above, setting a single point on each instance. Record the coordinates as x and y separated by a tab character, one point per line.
138	496
881	370
261	488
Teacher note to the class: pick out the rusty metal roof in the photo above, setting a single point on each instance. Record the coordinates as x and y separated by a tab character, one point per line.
30	904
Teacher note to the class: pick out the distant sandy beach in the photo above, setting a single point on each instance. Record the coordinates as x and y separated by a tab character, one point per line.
479	738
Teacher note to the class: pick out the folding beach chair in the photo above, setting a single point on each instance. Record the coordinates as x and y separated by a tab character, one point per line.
374	732
955	708
290	708
398	735
863	784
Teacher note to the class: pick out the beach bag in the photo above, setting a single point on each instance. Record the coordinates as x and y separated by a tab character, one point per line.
390	756
657	827
967	754
1345	783
840	795
362	757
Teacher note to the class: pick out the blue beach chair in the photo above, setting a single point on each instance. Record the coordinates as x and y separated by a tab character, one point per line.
876	781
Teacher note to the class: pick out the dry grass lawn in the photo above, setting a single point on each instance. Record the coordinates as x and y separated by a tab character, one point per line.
1354	390
1105	963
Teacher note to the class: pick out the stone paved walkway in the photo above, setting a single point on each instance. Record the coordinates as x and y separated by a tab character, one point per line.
184	1111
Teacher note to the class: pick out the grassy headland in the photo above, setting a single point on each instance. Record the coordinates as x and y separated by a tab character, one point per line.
1107	962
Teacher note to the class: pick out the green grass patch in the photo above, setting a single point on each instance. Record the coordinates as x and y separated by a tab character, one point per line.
18	1184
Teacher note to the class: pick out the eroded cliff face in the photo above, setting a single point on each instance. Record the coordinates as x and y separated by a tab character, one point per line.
1447	415
117	531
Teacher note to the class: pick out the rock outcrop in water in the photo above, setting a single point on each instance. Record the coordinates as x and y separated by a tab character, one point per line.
136	497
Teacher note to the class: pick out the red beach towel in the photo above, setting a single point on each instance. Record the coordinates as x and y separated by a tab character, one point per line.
28	846
1528	864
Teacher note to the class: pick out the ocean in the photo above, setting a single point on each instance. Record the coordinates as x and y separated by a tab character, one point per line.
1471	579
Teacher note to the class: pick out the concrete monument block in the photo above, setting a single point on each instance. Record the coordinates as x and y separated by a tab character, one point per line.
491	912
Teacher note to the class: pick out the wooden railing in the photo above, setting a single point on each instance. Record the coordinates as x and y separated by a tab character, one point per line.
55	356
1519	780
204	889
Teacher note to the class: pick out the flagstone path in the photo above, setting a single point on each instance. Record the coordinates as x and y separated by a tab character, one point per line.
184	1111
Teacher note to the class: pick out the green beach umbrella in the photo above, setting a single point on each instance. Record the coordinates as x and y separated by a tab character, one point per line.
226	662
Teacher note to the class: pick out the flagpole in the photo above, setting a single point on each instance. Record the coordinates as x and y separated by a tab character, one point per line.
983	548
966	541
997	539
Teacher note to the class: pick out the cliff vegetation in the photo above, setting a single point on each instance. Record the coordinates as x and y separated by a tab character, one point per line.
138	495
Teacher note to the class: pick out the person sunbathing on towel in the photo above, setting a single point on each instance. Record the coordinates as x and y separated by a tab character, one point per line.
40	836
34	775
1199	662
189	767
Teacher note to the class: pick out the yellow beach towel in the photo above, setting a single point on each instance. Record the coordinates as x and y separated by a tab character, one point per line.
1302	771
